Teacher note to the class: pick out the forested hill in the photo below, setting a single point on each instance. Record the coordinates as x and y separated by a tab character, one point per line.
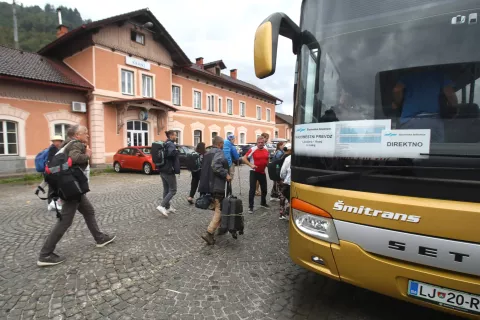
36	26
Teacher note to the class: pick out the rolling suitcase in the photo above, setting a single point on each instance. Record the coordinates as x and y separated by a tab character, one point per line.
232	215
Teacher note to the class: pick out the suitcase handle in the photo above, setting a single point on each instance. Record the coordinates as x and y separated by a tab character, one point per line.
226	189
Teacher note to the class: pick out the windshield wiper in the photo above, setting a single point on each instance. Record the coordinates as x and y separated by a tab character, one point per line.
474	156
332	177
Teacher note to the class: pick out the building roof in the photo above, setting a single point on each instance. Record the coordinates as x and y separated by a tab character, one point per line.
32	66
285	118
140	101
232	81
141	16
214	63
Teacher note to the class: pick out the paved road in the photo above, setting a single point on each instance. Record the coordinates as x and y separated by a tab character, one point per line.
161	269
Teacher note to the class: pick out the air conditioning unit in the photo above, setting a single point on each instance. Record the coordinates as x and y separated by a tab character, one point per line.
79	106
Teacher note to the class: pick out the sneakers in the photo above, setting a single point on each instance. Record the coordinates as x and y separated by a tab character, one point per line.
282	217
250	210
274	199
209	239
105	240
265	205
171	210
50	260
190	200
163	210
51	206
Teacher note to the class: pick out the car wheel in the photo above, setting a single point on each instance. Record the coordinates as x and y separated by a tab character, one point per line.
117	167
147	168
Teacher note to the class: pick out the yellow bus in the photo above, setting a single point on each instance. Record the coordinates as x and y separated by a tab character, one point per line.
385	190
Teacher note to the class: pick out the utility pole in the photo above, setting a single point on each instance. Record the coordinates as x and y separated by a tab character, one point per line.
15	27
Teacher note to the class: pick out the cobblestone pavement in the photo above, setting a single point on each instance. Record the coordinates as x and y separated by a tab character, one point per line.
160	268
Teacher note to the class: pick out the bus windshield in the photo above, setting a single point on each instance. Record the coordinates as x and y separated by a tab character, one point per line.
389	83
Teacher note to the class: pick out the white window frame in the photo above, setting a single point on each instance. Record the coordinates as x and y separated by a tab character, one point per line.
244	140
150	88
243	108
137	35
179	95
195	100
276	134
64	128
269	117
220	105
140	131
193	137
230	106
259	113
211	102
130	92
5	136
179	135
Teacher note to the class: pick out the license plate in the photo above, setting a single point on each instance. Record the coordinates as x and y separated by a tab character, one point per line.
444	297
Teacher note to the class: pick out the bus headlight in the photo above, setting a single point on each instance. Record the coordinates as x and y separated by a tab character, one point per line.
316	226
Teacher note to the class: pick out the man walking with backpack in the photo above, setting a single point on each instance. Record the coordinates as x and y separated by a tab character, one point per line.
76	148
168	170
214	177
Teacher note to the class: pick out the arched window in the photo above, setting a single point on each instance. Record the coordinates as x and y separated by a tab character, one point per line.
60	129
8	138
137	133
197	137
242	138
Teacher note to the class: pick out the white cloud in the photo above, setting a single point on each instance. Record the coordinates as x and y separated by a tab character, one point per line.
213	29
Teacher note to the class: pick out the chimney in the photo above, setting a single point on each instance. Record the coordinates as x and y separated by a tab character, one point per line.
61	29
233	73
199	62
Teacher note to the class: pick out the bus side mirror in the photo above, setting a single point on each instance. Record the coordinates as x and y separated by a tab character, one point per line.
266	42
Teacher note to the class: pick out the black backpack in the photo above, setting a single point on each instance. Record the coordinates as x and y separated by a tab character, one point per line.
158	153
65	181
274	169
193	162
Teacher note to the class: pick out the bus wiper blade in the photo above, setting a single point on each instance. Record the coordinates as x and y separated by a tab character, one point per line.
473	156
331	177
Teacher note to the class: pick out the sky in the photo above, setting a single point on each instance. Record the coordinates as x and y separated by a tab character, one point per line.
212	29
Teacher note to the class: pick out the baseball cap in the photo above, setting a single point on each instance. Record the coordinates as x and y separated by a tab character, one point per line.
230	137
57	138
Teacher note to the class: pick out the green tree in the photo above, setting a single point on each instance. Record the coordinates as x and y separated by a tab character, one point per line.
36	26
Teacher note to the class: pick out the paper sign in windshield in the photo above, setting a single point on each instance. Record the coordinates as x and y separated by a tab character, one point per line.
315	139
406	143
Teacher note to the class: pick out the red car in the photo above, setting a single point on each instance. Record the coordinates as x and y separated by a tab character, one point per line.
134	158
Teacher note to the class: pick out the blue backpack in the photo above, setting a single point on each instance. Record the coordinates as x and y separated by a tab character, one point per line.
41	160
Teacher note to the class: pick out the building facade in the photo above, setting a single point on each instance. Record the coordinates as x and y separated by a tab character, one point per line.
128	80
283	126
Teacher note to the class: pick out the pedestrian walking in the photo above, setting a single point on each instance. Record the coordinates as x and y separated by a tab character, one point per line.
257	159
266	136
168	172
285	175
275	192
215	174
231	154
80	154
196	174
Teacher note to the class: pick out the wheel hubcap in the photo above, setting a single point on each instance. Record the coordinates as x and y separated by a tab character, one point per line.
117	167
146	168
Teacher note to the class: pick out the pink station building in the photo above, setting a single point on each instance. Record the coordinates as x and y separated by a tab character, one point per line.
128	81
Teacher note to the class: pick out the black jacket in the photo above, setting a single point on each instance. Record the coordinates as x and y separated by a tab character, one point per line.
172	163
52	151
214	172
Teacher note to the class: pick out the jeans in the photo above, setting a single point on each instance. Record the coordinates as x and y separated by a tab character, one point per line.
262	180
169	188
69	208
194	184
217	216
284	196
434	123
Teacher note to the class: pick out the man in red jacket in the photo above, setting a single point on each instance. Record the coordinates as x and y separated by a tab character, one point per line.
257	159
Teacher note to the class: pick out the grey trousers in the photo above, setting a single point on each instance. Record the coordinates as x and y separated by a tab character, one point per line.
69	208
169	181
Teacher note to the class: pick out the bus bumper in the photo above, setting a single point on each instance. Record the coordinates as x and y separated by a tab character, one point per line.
349	263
